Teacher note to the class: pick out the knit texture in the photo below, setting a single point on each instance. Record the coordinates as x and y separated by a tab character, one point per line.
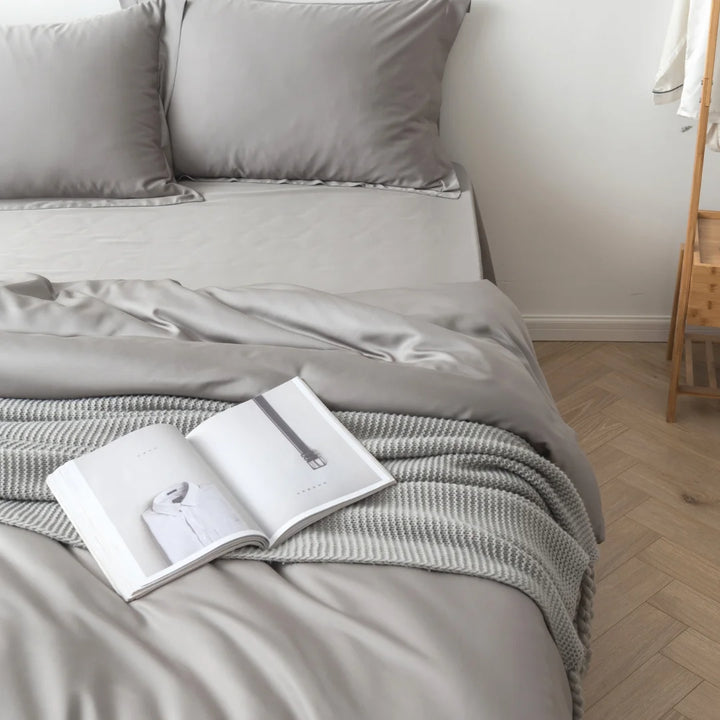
470	499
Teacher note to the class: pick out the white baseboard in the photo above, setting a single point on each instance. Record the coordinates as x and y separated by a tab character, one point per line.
608	328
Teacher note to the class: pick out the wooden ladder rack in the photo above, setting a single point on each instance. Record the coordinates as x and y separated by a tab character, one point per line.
697	291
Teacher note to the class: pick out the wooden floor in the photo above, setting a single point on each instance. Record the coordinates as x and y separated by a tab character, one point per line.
656	634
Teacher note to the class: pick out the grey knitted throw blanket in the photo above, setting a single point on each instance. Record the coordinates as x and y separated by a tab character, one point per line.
470	499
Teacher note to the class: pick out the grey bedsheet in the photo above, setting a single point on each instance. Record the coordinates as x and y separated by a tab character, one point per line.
330	238
247	640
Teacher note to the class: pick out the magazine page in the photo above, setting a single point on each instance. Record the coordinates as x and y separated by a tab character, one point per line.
287	458
152	498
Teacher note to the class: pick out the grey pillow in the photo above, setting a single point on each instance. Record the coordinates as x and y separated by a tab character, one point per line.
82	121
333	92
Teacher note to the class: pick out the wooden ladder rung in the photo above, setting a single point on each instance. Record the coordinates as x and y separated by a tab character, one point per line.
698	391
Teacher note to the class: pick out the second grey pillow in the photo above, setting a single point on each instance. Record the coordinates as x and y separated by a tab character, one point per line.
332	92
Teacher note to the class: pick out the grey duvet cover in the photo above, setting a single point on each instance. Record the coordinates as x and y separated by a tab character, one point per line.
242	639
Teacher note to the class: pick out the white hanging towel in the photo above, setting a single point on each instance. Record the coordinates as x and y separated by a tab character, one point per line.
682	65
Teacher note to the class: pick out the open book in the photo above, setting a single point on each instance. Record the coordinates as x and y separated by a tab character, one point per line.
153	504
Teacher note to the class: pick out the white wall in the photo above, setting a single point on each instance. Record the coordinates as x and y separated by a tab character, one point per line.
41	11
583	183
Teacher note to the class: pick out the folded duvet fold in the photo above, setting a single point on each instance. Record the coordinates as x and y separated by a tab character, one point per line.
457	351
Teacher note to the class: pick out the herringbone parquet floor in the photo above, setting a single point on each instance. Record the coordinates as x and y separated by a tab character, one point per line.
656	638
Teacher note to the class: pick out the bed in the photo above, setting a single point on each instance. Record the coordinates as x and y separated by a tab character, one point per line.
473	602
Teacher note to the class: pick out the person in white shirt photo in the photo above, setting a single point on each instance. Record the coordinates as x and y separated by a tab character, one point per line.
187	517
